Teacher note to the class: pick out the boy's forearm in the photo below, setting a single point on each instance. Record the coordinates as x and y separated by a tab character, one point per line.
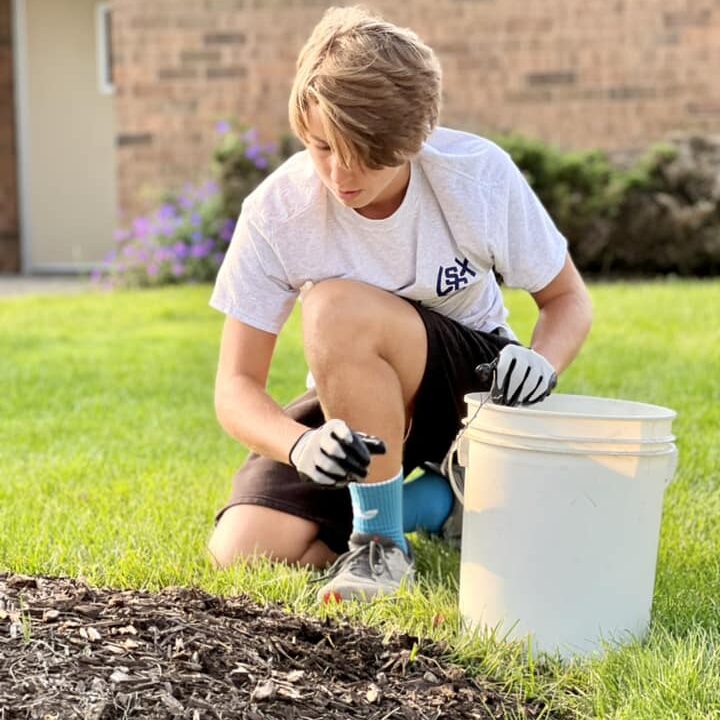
250	416
561	329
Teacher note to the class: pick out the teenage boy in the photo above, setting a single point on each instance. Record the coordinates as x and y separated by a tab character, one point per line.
395	226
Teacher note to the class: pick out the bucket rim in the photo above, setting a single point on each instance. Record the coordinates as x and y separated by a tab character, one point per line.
663	440
663	413
658	451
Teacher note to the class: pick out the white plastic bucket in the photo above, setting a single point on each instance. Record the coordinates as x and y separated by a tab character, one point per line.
561	521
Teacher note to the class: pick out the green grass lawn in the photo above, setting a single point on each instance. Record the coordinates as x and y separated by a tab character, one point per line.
112	466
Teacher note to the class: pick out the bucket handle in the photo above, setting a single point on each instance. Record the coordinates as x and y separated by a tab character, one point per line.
452	470
450	466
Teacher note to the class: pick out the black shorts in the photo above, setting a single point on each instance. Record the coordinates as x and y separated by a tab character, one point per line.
453	352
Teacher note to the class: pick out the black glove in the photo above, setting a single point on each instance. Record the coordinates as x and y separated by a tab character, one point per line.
333	454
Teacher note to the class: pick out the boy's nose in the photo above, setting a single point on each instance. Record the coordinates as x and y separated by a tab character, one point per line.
339	174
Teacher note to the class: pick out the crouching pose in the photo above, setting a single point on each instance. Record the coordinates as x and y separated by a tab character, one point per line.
393	227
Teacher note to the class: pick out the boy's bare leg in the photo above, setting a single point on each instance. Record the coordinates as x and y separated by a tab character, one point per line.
248	530
366	349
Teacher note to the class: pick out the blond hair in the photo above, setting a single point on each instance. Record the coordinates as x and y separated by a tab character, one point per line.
376	85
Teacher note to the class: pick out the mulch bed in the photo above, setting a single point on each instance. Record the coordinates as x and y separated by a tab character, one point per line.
71	651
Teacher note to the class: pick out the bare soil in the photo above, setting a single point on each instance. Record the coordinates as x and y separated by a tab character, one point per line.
71	651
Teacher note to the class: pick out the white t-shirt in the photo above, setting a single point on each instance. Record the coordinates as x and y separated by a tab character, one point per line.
467	209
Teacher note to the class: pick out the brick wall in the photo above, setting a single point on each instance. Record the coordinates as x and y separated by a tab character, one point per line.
615	74
9	238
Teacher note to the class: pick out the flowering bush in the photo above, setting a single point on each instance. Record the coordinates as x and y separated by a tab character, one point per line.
242	162
186	238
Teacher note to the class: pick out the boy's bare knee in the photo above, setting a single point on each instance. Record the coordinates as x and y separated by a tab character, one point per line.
339	315
245	532
334	290
222	552
337	307
348	322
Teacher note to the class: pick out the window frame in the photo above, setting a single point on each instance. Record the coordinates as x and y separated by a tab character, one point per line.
103	34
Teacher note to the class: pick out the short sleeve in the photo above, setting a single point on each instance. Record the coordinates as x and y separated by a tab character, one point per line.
529	251
251	285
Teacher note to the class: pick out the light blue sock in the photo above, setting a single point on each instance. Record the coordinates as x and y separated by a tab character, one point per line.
377	509
427	502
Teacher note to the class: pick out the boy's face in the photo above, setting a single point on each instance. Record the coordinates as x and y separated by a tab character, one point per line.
373	193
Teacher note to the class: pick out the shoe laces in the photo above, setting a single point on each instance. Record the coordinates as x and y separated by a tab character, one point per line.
369	556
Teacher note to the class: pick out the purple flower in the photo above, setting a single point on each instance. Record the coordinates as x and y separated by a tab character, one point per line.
142	227
170	226
253	152
218	258
177	269
167	212
181	250
163	255
261	163
197	237
227	230
208	190
186	202
121	235
202	251
223	127
196	219
152	270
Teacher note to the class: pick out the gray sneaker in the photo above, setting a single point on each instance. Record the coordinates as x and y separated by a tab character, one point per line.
372	567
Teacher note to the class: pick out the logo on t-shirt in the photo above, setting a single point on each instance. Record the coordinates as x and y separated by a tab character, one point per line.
454	277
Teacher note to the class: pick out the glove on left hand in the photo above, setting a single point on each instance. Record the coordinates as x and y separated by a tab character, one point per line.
333	454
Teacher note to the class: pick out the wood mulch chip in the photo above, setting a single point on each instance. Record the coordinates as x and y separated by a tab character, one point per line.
71	651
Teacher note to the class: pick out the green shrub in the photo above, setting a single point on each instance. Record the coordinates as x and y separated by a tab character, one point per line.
581	190
657	215
669	221
574	186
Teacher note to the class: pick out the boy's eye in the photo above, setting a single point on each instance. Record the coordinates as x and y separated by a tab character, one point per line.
323	148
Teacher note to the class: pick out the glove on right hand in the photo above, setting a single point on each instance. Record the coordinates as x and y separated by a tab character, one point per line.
333	454
522	377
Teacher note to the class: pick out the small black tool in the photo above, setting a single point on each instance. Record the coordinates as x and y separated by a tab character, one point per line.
486	373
